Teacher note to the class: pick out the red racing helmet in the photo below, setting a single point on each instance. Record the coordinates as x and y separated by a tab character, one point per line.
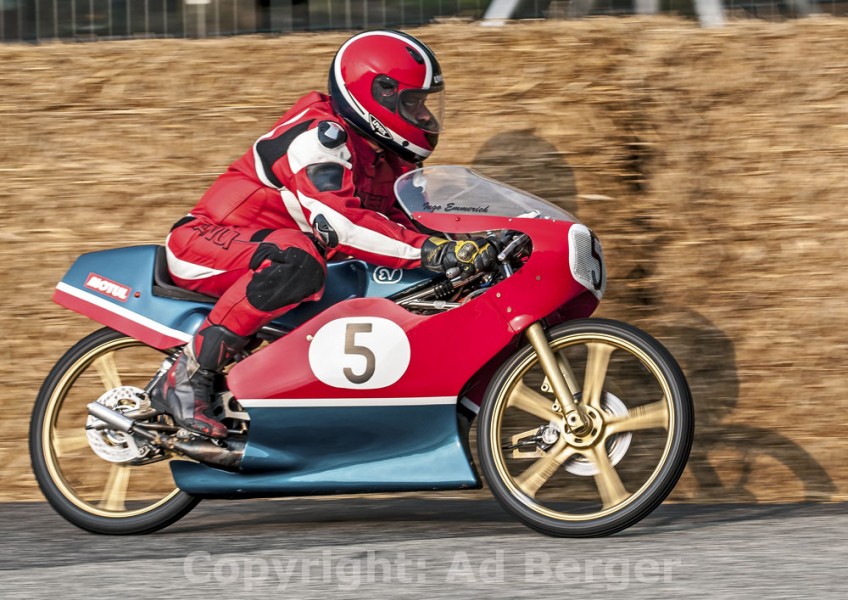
388	85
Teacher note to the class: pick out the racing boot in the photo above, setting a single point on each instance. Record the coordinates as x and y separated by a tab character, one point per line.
187	389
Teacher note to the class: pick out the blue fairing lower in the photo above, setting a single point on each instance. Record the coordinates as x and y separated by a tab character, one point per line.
302	451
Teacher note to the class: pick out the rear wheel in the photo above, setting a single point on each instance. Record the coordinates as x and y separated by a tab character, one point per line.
622	466
100	480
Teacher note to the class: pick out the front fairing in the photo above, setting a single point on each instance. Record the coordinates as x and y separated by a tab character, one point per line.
546	282
566	260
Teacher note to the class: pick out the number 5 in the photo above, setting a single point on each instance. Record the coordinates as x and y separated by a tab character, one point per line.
598	281
352	349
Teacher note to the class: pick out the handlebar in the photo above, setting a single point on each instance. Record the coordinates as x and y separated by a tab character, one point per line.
457	277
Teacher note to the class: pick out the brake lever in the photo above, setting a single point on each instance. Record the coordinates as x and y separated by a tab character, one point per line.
510	248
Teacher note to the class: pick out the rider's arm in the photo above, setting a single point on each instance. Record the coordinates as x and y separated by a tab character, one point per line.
317	172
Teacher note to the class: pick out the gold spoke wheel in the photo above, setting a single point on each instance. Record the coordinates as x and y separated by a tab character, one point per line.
609	474
91	492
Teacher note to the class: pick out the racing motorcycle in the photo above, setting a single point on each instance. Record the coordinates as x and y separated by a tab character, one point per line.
583	426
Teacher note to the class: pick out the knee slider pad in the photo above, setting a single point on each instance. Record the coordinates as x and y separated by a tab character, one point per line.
291	276
266	252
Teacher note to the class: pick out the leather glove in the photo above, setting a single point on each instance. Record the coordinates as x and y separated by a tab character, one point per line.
469	256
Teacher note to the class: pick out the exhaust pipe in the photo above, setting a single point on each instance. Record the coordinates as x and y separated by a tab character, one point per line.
114	420
202	450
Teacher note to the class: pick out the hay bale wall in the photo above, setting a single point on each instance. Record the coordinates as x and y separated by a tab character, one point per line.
712	164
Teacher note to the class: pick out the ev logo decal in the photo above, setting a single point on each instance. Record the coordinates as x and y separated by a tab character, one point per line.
107	287
359	353
384	275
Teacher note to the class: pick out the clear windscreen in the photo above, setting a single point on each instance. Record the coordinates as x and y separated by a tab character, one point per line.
459	190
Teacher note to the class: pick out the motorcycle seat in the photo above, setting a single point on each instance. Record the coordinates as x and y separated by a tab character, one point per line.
164	286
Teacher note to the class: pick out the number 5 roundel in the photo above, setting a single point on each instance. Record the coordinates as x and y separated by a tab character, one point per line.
359	353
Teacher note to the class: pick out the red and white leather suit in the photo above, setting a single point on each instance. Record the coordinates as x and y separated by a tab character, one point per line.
270	196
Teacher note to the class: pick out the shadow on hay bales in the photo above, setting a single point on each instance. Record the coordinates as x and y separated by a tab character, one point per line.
706	353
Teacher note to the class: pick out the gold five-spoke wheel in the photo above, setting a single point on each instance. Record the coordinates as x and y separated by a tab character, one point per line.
623	460
101	480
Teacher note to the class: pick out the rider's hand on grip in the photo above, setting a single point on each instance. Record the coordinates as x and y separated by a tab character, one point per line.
469	256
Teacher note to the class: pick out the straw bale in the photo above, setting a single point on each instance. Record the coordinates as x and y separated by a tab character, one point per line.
711	163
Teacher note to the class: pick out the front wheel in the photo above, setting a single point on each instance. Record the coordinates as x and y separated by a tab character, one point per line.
101	480
608	476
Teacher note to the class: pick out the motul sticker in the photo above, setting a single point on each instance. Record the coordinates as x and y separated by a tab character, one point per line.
107	287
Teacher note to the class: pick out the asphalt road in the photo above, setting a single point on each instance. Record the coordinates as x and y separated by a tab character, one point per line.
444	547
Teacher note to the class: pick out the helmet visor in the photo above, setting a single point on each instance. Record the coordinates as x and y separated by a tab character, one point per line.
423	108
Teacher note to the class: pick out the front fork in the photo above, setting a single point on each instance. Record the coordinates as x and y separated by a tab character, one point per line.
558	376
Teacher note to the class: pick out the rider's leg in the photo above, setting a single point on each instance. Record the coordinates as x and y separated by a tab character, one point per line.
263	275
285	270
187	389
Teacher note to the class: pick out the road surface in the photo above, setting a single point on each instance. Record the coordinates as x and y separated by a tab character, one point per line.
413	547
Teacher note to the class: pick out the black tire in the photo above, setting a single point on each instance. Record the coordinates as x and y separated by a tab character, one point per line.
550	495
68	476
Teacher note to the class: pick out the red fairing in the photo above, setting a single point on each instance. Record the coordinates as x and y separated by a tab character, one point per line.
444	351
432	371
